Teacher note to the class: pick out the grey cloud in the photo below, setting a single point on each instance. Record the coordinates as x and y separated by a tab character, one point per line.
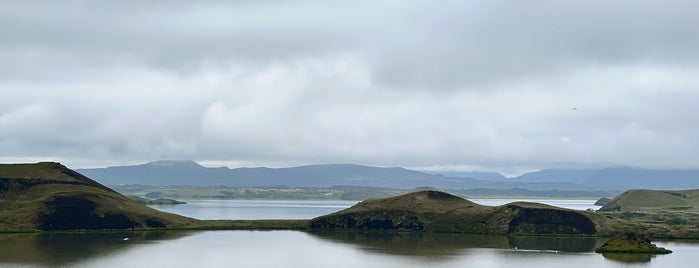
413	83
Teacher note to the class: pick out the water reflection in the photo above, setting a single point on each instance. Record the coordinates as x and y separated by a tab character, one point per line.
318	249
60	249
444	245
628	258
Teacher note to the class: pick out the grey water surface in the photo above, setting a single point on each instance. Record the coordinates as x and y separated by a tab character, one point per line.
314	249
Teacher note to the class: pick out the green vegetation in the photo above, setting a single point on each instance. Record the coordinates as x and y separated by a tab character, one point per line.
250	225
631	243
654	200
441	212
660	213
49	196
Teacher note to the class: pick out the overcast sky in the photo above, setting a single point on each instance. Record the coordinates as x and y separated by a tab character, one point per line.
495	85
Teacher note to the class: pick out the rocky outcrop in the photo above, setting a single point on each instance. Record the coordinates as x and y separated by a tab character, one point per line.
631	243
531	220
441	212
602	201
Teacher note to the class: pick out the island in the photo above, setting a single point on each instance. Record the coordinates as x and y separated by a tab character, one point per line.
159	201
631	243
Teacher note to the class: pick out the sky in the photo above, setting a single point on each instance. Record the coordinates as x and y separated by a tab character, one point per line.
492	85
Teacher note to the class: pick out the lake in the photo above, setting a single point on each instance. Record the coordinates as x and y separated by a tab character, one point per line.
237	209
315	249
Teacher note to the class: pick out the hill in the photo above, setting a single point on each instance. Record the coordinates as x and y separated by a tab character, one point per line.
49	196
186	172
441	212
479	175
654	200
190	173
617	178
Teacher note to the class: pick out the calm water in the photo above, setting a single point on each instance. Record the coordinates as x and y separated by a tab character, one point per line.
315	249
307	209
324	249
255	209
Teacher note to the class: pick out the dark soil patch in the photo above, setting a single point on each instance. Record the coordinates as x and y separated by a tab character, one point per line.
75	213
550	221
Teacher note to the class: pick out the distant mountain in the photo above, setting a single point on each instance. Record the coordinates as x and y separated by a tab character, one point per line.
558	175
186	172
488	176
166	172
639	178
617	178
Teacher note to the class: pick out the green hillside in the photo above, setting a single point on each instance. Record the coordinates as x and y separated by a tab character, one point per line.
441	212
654	200
49	196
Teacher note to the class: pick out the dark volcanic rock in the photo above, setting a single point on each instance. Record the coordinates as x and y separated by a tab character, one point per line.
602	201
549	221
631	243
441	212
385	220
75	213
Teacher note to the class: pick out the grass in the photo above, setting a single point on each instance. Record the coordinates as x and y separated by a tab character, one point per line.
42	171
29	189
631	243
654	200
440	212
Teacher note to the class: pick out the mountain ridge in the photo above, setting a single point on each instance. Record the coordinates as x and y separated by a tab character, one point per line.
188	172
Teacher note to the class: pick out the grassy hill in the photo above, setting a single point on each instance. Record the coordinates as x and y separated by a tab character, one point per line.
442	212
654	200
49	196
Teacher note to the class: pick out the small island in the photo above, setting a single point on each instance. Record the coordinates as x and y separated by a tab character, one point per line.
631	243
159	201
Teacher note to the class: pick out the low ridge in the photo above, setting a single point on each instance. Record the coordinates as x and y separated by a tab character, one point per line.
443	212
50	196
654	200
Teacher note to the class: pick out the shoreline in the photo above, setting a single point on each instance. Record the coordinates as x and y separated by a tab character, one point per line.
302	225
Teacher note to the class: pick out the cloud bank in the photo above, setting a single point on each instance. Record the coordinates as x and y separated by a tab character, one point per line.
495	85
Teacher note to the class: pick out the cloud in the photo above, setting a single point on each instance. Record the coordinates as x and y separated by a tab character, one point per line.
490	84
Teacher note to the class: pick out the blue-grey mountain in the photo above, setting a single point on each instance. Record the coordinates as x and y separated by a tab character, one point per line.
186	172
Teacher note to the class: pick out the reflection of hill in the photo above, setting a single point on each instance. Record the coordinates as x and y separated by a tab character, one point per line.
412	243
59	249
628	258
443	245
563	244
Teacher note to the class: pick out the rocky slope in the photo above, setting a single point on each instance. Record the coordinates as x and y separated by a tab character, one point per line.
441	212
49	196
